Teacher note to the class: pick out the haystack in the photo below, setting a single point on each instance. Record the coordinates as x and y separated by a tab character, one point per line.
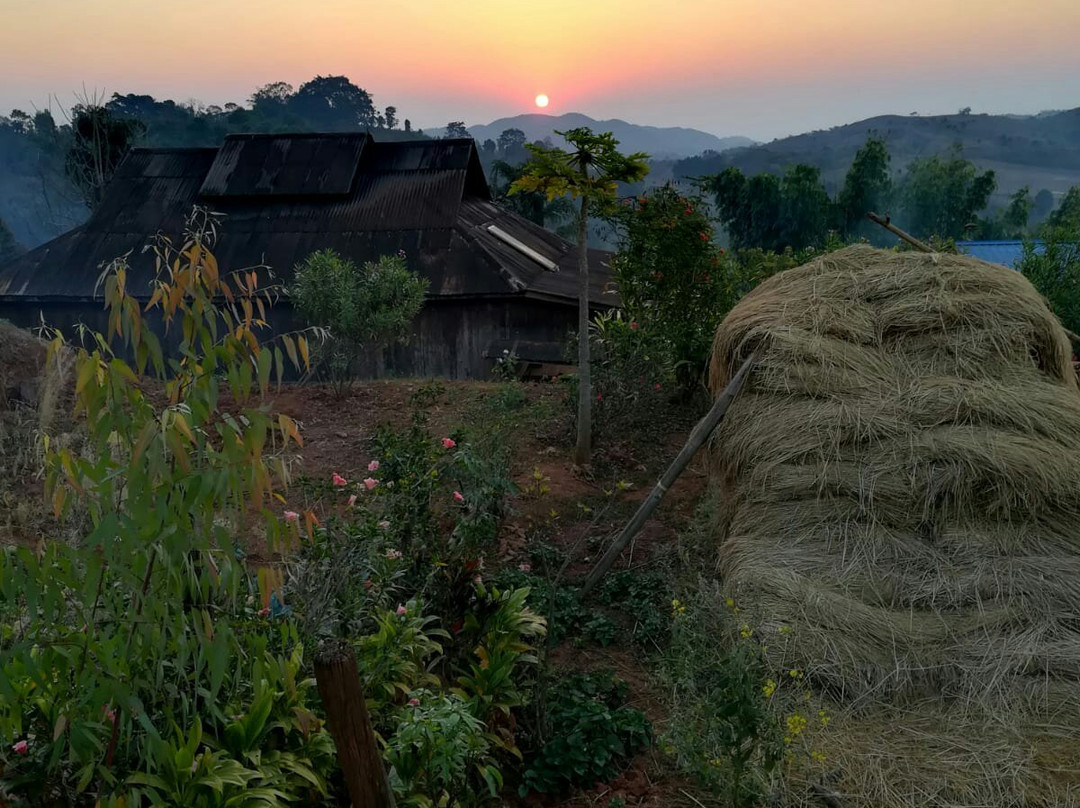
900	484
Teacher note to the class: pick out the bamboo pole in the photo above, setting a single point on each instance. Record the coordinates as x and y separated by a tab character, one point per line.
696	440
896	231
347	718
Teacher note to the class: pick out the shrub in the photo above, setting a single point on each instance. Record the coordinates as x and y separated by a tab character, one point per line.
365	308
591	734
1054	269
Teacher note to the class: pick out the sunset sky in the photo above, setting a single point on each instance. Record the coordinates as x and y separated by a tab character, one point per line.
762	68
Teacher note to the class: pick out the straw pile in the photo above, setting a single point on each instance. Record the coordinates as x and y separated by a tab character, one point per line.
900	483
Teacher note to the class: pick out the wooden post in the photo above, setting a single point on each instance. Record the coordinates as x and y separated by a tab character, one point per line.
347	719
696	440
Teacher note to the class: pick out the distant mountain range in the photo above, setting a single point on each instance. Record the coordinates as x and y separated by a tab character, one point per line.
1040	151
659	142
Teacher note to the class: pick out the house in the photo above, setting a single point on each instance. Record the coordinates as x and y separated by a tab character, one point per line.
496	280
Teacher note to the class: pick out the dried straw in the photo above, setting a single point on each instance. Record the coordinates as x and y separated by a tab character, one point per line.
900	481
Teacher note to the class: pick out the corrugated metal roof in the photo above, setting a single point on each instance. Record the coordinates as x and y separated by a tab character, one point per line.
1006	252
428	198
285	165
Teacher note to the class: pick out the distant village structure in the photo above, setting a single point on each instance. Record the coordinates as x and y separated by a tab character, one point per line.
496	281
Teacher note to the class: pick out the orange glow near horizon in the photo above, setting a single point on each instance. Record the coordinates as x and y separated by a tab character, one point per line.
498	53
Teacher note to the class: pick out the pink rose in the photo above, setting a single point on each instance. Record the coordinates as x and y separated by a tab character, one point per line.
370	483
338	480
291	516
458	497
21	748
414	702
402	611
448	443
373	465
352	500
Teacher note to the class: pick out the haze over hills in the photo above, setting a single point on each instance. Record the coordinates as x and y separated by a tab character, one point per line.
1040	151
660	142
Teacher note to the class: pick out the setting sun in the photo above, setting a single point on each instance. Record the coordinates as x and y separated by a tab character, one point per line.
541	100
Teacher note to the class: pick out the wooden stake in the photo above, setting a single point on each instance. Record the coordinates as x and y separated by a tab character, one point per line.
896	231
696	440
347	718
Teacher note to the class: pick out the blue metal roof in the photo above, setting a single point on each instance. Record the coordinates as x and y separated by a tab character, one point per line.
1007	253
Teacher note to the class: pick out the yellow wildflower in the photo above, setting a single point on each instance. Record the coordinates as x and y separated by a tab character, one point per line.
769	688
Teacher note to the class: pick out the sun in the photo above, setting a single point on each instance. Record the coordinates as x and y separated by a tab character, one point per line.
542	100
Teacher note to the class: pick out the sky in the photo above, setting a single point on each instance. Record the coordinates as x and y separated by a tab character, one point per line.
760	68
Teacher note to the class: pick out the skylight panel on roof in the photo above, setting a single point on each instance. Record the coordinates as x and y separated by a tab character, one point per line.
522	248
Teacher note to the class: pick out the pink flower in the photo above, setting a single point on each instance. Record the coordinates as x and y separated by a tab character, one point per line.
21	748
109	715
291	516
384	525
402	611
393	554
373	465
634	326
264	611
599	396
338	480
478	580
458	497
448	443
525	567
414	702
352	500
370	483
656	386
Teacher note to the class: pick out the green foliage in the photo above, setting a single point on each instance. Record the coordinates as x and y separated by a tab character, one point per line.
590	169
365	308
591	734
943	195
770	212
114	641
1067	214
867	188
676	286
723	728
645	597
1053	267
439	755
556	214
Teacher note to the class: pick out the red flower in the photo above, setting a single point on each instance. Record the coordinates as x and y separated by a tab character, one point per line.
703	236
599	397
634	326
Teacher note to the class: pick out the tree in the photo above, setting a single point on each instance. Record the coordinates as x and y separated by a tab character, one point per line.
1043	205
1053	267
391	118
333	103
535	206
867	187
9	248
408	125
1068	212
489	148
365	308
942	195
276	94
457	129
511	143
804	208
100	141
1015	217
589	172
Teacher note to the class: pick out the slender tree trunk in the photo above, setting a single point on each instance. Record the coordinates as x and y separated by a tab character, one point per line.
583	451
